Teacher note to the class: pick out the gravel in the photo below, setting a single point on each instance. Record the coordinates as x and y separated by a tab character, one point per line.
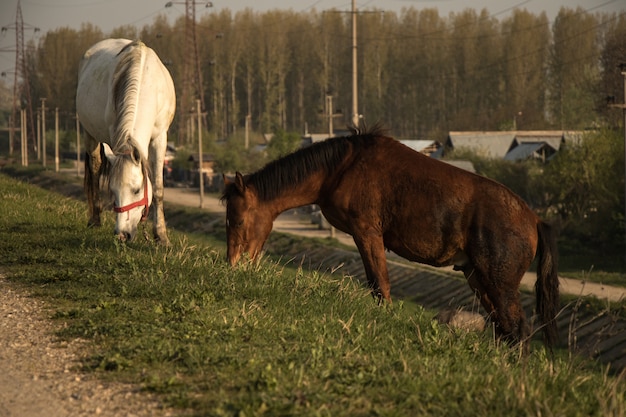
40	376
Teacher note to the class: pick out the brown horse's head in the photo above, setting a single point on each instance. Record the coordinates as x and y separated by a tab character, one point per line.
248	223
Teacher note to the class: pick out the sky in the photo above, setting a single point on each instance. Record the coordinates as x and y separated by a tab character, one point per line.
48	15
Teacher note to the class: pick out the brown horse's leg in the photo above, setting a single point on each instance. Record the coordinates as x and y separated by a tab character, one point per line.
502	302
93	165
511	323
472	279
372	250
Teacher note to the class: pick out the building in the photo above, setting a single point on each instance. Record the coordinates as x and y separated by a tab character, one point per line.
512	145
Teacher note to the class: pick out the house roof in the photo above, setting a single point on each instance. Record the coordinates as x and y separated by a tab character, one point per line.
489	144
418	145
499	144
318	137
523	151
574	136
460	163
554	138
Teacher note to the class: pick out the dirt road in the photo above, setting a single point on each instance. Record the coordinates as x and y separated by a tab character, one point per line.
38	376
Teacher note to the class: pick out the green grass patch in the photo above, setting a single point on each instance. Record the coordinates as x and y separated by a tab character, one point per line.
590	264
264	339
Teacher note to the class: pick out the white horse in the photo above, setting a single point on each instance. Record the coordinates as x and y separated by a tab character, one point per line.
125	102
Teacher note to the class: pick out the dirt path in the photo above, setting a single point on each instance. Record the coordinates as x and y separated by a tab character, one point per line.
38	376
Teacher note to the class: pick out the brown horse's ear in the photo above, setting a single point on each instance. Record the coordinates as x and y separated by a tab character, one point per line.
239	183
227	180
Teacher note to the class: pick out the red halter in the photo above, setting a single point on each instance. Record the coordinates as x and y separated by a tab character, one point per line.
142	202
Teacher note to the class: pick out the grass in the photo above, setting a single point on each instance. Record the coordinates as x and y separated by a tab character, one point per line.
264	339
586	264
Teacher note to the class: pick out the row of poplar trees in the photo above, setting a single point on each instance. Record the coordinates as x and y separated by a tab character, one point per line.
420	74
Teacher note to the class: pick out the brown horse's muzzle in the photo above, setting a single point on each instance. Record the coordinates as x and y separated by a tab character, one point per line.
233	257
235	252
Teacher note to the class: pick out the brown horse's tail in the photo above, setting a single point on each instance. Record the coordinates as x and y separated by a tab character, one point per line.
547	286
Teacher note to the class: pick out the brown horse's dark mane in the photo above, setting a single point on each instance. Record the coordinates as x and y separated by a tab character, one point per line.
289	171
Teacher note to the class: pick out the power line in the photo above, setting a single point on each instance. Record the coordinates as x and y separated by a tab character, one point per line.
192	75
20	89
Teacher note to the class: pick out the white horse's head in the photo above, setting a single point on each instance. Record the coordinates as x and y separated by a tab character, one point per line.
131	187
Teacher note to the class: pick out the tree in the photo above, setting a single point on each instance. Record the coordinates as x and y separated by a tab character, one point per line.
125	32
574	73
273	65
296	86
329	45
613	55
59	54
376	30
421	74
163	39
526	39
245	24
282	143
475	83
585	191
233	47
218	62
417	94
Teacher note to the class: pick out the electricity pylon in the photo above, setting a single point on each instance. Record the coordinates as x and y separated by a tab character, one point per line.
21	85
192	88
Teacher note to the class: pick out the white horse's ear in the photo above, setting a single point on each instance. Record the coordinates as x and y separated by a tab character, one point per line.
108	152
136	155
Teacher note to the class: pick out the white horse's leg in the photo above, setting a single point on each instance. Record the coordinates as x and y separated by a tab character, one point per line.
93	165
157	158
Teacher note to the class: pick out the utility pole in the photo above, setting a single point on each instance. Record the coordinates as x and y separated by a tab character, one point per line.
56	139
43	131
519	113
200	157
38	134
355	73
247	134
331	133
24	137
355	116
330	114
12	130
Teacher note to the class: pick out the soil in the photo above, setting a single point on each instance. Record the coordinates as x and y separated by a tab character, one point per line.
40	376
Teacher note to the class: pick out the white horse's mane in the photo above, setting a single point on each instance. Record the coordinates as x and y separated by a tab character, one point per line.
126	84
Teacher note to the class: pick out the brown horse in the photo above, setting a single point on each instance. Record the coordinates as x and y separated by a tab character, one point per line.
388	196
